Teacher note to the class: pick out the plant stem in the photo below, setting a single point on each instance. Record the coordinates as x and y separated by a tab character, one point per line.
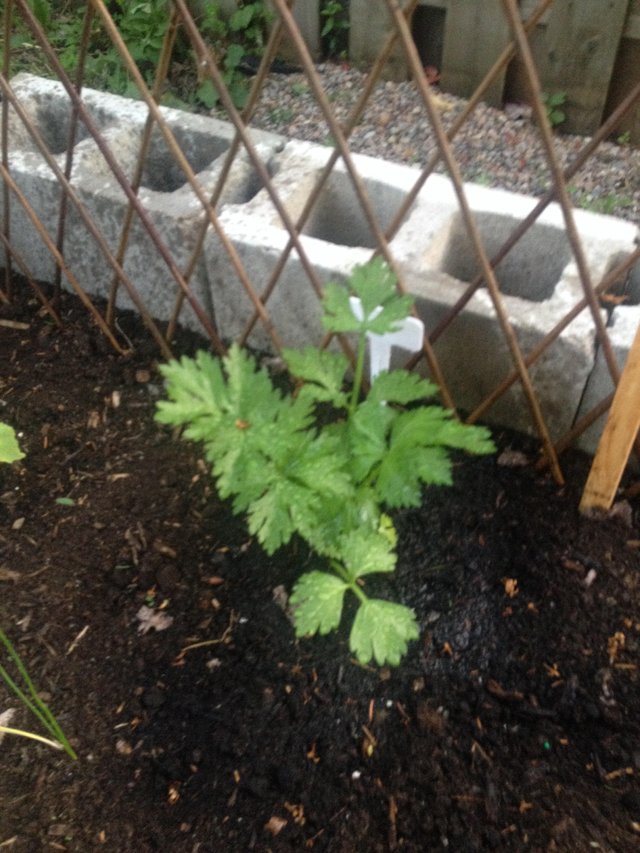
5	730
359	371
38	708
346	576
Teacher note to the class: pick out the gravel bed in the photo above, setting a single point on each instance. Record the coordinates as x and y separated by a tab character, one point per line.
498	148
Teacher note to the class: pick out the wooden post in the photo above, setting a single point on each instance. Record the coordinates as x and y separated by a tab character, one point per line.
617	438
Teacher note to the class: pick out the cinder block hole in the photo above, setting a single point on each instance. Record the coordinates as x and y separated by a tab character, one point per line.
54	123
162	172
627	287
532	268
338	216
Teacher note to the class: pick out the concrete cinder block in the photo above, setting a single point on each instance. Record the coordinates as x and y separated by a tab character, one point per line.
336	238
538	280
169	201
539	283
623	323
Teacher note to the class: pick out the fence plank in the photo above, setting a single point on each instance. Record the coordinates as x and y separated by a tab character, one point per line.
475	35
575	53
307	15
369	25
626	73
618	436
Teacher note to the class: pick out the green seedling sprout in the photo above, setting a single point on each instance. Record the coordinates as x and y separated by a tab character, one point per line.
10	452
9	448
32	701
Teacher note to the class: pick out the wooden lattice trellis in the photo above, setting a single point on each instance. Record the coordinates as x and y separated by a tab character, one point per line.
260	293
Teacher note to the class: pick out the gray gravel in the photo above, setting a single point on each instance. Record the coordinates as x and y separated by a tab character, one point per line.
498	148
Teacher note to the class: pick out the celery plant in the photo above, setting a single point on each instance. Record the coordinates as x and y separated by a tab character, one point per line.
330	483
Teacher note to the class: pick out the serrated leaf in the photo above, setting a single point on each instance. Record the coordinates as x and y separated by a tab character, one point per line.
302	493
367	436
338	316
436	426
365	551
9	447
194	387
277	513
375	285
401	387
317	603
405	469
252	397
382	631
198	388
417	453
320	464
322	371
383	308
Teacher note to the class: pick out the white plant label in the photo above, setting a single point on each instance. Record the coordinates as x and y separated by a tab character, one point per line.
408	337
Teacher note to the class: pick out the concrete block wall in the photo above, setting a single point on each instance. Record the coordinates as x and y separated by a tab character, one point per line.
538	278
168	199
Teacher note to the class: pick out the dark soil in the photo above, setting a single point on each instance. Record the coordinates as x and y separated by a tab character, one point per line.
512	724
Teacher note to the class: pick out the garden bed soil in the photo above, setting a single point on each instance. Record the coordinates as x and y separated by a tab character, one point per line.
512	724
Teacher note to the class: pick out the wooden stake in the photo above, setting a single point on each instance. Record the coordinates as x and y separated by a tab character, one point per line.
617	438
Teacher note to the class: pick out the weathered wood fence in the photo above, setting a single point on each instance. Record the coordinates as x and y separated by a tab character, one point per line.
587	49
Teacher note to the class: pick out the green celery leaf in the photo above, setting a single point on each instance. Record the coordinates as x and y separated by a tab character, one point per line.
322	371
433	425
400	386
252	397
271	516
245	456
317	603
375	285
319	463
365	551
295	415
338	516
195	387
302	492
406	468
417	453
240	471
338	316
320	468
382	630
367	435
